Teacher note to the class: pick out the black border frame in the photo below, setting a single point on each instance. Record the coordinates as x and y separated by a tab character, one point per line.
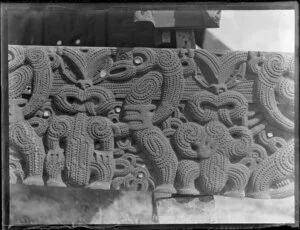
125	5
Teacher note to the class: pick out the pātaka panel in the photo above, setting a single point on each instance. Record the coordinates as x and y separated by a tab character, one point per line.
163	120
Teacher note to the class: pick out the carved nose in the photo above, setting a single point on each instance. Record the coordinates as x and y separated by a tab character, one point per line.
83	84
214	88
218	88
201	152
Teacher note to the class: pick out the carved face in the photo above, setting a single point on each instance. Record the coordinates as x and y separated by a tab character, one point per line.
93	100
130	62
139	117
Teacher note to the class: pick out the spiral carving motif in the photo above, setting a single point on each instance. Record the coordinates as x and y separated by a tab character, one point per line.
286	90
18	81
60	127
272	87
16	57
272	178
187	140
99	128
275	65
145	88
163	120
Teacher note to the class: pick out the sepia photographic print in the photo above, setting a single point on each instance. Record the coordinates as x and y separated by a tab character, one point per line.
150	115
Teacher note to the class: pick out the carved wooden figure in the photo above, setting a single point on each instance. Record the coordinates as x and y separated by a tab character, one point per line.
166	120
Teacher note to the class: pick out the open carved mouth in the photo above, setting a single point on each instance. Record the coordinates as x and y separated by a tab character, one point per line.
74	100
280	188
283	188
118	70
121	70
23	101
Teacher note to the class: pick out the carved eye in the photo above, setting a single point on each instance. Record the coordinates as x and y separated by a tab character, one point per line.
103	73
140	175
152	110
235	135
255	155
248	164
46	114
221	90
269	134
260	64
138	60
183	120
230	106
238	78
28	89
118	109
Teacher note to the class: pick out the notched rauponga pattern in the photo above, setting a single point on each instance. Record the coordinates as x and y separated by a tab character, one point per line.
172	121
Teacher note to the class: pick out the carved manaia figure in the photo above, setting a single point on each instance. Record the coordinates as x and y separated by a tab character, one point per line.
28	67
275	90
24	139
208	161
159	70
230	107
274	177
78	135
72	139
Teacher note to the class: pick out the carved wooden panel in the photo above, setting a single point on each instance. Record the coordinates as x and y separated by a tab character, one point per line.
172	121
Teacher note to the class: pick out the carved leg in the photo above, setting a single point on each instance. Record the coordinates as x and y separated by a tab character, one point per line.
102	169
188	171
238	176
30	146
54	164
274	177
213	173
16	174
34	169
102	164
78	151
158	149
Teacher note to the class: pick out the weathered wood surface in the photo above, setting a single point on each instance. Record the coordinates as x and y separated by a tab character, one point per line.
170	121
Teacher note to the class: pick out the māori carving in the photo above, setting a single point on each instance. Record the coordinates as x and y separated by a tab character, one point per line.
163	120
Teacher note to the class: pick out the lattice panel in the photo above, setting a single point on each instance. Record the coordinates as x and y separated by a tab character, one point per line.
169	121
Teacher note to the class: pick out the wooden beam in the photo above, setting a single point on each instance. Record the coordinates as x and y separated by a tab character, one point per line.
185	39
179	18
